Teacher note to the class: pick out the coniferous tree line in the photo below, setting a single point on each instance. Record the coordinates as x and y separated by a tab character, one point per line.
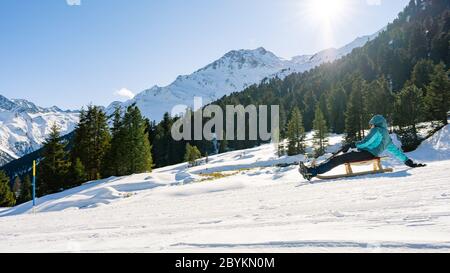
7	198
19	193
97	151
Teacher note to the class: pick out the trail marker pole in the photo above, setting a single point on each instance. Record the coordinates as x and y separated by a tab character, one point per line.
34	183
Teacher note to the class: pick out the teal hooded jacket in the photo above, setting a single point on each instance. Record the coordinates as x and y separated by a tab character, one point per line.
379	140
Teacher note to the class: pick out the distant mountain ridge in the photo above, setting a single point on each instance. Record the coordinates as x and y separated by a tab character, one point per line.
24	126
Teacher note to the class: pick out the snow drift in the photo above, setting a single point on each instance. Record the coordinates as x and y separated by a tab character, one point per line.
435	148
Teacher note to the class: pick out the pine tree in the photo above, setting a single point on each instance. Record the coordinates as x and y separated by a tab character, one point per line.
25	191
187	153
223	144
409	111
320	133
191	154
92	140
409	107
418	44
421	74
309	108
337	104
438	94
439	42
295	133
323	105
17	185
53	168
378	99
164	150
6	195
77	172
355	114
134	146
112	163
196	154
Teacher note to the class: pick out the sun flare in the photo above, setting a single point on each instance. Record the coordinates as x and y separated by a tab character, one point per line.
325	18
327	11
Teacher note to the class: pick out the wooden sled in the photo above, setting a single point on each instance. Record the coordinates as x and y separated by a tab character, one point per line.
377	169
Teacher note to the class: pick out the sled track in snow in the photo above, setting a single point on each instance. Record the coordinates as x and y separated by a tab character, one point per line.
324	245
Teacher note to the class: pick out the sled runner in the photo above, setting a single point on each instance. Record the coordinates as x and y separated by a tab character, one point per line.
377	168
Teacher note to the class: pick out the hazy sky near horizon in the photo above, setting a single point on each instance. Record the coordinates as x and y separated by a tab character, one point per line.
71	53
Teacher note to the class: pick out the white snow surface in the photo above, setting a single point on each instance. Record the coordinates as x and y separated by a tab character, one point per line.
235	71
257	208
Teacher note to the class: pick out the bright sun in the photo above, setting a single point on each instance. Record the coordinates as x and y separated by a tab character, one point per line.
324	17
327	11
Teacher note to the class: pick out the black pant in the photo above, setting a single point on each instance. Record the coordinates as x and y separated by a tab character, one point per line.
342	159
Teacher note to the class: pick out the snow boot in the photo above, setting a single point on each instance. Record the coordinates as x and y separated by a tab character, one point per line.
304	171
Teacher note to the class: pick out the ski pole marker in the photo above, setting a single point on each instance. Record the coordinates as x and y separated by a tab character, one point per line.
34	183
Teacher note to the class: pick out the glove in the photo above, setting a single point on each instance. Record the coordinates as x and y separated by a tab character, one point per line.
348	147
411	164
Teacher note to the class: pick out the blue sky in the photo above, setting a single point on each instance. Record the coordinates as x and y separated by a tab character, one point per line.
53	53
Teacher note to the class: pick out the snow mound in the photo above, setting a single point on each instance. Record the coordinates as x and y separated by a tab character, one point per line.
436	148
89	195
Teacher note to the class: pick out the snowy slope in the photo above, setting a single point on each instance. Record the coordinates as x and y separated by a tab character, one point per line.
24	126
235	71
6	156
257	208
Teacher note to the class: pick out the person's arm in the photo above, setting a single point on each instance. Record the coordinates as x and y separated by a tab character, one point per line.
394	150
373	136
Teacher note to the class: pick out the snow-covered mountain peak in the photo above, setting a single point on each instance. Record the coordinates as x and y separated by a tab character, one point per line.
301	59
243	58
260	51
24	126
154	91
25	106
115	104
6	104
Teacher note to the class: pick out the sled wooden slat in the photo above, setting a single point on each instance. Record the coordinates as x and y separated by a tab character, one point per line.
376	164
389	170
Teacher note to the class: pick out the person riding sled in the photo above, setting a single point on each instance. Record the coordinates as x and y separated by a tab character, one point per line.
372	146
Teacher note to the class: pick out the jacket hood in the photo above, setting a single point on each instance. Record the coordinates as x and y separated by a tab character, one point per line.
379	121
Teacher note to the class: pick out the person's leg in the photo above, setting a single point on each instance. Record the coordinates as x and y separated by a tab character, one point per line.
339	160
